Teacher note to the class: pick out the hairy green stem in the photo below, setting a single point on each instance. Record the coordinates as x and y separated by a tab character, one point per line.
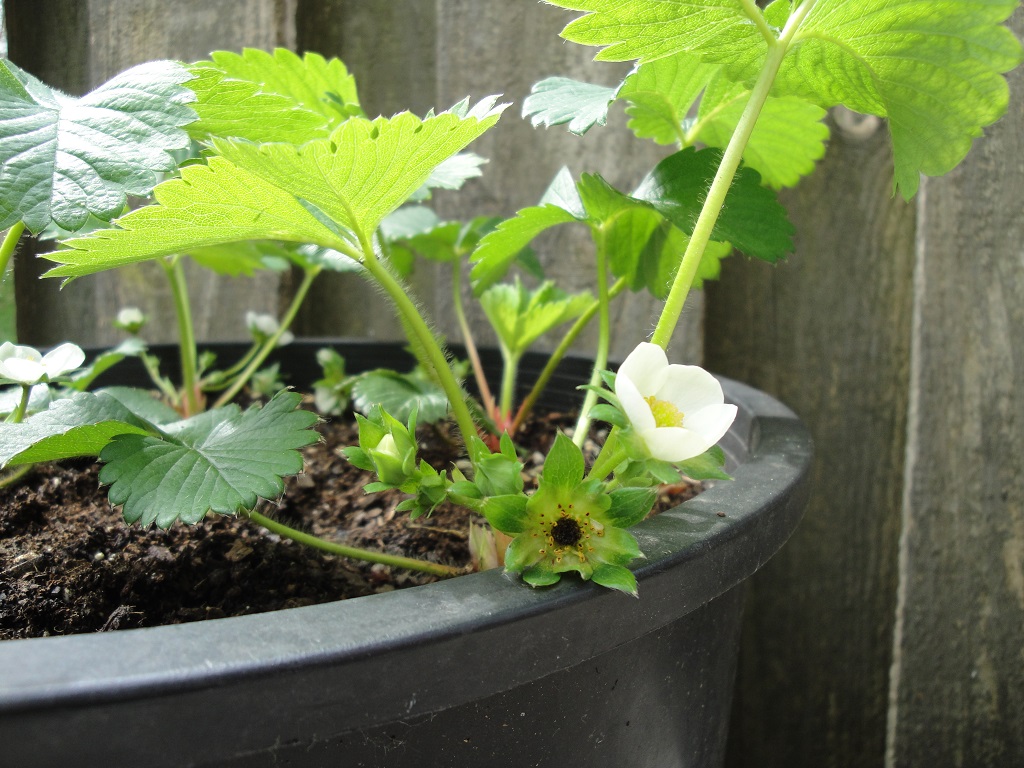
526	407
424	566
579	435
715	199
436	358
186	334
308	276
10	242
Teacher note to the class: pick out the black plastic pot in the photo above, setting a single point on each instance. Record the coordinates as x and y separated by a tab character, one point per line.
475	671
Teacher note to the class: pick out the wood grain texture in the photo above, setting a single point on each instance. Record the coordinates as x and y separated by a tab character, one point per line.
83	44
828	333
416	54
958	677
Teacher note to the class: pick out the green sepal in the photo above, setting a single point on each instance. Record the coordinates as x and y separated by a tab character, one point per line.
506	513
564	465
622	547
630	506
707	466
358	458
615	577
538	576
521	554
610	414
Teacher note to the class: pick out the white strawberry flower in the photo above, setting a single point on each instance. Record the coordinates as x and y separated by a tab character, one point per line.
677	411
26	366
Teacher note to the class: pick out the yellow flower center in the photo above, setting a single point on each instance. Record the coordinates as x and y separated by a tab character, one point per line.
665	414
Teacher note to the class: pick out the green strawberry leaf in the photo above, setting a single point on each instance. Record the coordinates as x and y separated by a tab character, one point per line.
222	460
752	219
261	96
65	158
400	395
209	205
367	168
721	32
81	425
520	316
932	67
630	506
560	100
497	251
786	142
243	258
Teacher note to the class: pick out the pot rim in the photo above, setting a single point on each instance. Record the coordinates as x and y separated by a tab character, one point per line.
449	628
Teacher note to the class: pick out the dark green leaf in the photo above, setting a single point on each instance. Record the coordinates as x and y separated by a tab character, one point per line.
222	460
752	218
400	394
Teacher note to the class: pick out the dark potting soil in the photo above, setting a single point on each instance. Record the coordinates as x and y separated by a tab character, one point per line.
69	564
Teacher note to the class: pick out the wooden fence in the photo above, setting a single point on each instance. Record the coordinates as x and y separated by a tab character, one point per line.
890	631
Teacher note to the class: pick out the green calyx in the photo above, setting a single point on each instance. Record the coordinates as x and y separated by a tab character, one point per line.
570	524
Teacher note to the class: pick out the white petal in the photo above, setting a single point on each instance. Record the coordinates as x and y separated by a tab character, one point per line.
633	404
62	359
646	367
674	443
9	351
690	388
22	371
712	422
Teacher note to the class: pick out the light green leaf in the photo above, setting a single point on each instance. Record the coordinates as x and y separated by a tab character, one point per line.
646	30
260	96
498	250
630	506
932	67
209	205
243	258
787	140
65	158
366	169
455	171
222	461
561	100
80	425
400	394
521	316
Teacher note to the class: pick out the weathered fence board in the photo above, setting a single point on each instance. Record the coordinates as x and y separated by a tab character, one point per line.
891	629
828	332
958	676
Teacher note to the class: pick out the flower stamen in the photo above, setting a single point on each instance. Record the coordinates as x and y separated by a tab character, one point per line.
665	413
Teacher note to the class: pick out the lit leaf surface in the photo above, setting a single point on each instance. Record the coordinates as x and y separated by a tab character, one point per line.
65	158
